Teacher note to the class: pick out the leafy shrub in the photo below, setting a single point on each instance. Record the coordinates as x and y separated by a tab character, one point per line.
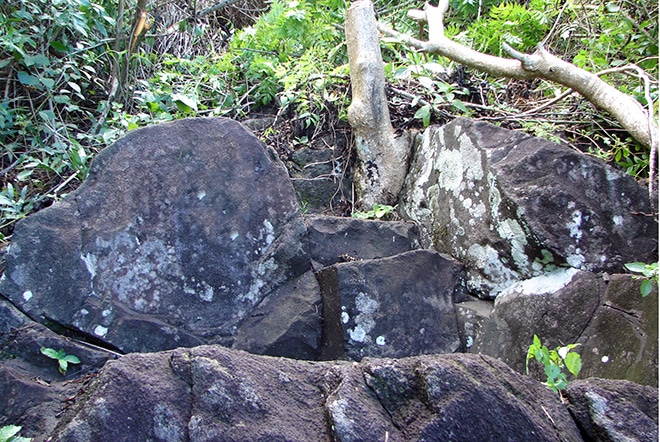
51	58
554	363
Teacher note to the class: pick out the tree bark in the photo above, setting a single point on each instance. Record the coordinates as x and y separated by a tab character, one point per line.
383	158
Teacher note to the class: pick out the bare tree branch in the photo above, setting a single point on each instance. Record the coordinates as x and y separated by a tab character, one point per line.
542	64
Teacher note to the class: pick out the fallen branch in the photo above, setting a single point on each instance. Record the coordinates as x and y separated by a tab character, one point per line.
541	64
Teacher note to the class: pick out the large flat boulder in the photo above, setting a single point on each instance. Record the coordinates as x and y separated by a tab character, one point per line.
391	307
180	231
214	393
509	206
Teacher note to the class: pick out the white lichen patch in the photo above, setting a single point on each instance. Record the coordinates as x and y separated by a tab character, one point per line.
574	225
27	295
269	233
576	259
134	272
511	231
90	263
544	284
364	320
490	272
101	331
207	293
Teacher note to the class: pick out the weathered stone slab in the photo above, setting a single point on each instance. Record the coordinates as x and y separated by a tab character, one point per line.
621	341
33	393
178	233
214	393
334	239
287	323
616	327
509	205
557	307
391	307
611	410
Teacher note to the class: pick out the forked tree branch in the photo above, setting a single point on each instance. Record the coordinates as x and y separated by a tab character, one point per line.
541	64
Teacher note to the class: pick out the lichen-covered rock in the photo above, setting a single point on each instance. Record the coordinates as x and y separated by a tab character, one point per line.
509	205
391	307
557	307
621	341
616	327
178	233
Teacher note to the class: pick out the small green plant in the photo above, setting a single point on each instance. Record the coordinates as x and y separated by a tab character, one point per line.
648	271
554	362
379	211
8	433
61	357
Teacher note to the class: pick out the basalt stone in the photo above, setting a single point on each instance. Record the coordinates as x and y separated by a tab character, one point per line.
33	392
509	206
178	233
621	341
557	307
212	393
335	239
614	410
391	307
287	323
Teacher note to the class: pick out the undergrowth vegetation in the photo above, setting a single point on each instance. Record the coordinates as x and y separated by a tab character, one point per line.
71	83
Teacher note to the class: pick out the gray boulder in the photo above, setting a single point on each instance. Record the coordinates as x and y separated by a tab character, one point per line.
213	393
391	307
180	231
557	307
621	341
511	206
616	327
609	410
335	239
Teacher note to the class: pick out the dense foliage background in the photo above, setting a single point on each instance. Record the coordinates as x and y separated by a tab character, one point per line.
72	83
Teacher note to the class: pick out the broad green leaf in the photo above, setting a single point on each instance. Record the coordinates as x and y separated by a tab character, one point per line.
59	46
646	288
47	115
75	87
8	431
458	104
52	353
638	267
424	113
27	79
573	363
71	359
48	82
552	371
39	60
